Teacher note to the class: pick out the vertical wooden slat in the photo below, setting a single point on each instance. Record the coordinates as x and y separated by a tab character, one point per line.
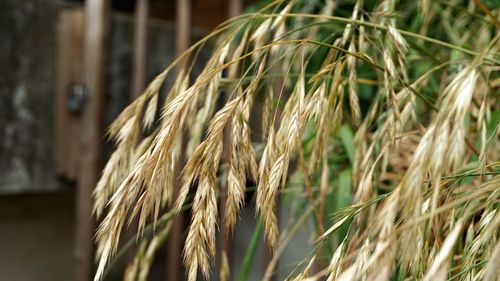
235	8
183	26
174	248
140	47
139	65
69	72
95	49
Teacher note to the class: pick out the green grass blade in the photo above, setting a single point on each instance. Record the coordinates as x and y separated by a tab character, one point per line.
250	253
346	136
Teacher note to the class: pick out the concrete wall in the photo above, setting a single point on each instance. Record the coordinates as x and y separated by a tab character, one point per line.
27	53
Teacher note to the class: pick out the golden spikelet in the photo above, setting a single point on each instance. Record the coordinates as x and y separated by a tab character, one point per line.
200	241
353	86
242	160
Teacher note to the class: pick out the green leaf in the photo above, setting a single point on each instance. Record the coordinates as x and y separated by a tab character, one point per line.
250	253
343	199
346	136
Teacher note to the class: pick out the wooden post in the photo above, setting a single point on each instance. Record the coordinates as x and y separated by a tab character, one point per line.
183	27
95	51
235	8
69	73
139	64
174	248
140	47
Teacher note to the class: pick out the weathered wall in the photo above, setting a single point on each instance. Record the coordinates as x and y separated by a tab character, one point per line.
27	86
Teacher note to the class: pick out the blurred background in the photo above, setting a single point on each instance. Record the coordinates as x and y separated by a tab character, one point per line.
67	69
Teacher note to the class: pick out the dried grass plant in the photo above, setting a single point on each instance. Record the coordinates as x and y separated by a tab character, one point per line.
385	113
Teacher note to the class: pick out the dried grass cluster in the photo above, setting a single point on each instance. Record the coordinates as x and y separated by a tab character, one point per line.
424	157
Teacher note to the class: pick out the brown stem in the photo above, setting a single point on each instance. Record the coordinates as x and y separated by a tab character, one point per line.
309	189
485	10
